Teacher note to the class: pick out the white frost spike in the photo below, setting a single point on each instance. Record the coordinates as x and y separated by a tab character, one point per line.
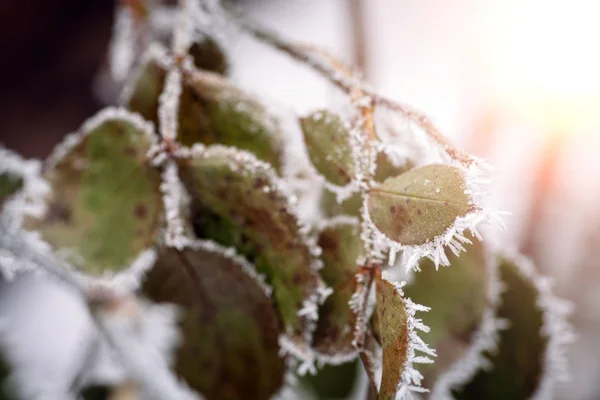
123	44
411	377
144	336
169	105
303	360
485	340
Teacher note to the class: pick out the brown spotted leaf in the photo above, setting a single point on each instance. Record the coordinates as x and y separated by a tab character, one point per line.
518	365
212	110
105	206
393	328
457	296
328	145
237	202
419	205
229	325
342	246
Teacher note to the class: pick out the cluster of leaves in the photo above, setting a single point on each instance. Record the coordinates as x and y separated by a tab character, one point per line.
189	194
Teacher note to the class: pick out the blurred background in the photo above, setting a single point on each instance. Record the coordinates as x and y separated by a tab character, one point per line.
515	81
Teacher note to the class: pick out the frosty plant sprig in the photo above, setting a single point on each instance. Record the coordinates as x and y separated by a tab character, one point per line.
274	234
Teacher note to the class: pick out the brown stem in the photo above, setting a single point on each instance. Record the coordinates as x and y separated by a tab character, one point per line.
330	68
358	33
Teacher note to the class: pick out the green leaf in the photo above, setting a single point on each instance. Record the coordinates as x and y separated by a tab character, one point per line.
209	56
7	388
105	206
457	296
212	110
393	327
229	324
331	208
333	381
146	91
342	246
328	145
386	168
517	367
236	202
419	205
10	183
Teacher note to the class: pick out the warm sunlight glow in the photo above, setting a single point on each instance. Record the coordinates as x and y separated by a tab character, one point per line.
540	60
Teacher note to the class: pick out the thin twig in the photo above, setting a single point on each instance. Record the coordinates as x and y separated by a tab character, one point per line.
329	67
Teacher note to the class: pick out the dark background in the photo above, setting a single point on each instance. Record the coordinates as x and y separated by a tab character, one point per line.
52	51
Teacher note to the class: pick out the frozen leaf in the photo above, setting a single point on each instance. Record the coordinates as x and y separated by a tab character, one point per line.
457	296
328	145
398	334
331	207
518	365
105	206
419	205
342	246
229	324
211	110
146	90
393	328
236	200
209	56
